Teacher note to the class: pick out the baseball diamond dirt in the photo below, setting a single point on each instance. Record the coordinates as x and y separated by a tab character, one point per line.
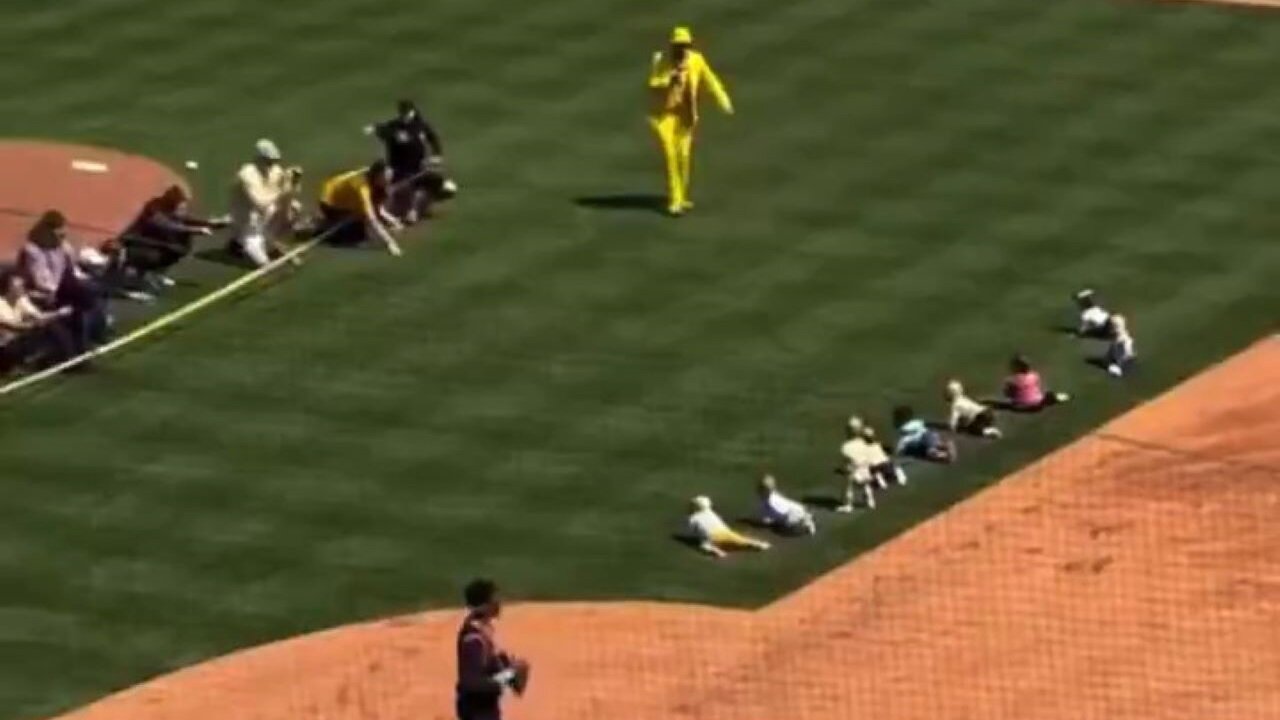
98	189
1133	574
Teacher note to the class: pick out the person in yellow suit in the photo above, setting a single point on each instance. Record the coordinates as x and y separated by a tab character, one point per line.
675	79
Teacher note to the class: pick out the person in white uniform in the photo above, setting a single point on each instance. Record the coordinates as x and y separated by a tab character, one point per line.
781	512
263	197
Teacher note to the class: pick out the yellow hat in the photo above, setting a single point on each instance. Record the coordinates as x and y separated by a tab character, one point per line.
681	35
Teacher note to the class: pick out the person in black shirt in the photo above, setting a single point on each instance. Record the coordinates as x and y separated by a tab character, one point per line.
484	670
416	156
161	235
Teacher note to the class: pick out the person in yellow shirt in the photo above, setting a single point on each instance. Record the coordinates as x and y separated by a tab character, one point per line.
675	79
351	207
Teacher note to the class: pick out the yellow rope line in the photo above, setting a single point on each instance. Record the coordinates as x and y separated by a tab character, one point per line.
184	311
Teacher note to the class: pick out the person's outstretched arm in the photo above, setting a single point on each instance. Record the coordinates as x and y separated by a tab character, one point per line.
717	88
434	145
373	221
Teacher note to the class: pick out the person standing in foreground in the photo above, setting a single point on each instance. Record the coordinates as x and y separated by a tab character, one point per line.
484	671
675	79
352	207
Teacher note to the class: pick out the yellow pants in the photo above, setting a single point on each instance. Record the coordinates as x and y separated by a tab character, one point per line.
675	136
731	540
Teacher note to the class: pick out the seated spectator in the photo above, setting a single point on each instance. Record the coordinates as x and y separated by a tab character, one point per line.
866	466
916	439
54	280
1095	321
26	330
161	235
1024	389
781	512
969	415
713	535
352	208
1120	353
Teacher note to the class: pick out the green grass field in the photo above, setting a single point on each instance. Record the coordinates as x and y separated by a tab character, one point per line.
907	192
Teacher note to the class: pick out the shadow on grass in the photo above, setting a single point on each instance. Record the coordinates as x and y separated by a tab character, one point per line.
223	256
624	201
824	502
686	540
1065	329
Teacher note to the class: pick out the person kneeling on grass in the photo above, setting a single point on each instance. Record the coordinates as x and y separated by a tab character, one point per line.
713	535
352	207
866	466
1120	353
416	155
160	236
1025	391
969	415
916	439
781	512
263	195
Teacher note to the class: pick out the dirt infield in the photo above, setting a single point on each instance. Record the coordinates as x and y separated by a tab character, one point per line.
1116	578
99	190
1249	3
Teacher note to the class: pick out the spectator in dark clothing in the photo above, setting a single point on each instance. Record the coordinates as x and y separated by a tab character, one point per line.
26	330
415	155
161	235
54	280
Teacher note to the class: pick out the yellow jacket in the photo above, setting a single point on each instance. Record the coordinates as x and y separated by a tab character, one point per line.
674	93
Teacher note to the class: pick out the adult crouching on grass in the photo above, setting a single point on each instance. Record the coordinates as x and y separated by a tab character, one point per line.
352	208
415	153
160	236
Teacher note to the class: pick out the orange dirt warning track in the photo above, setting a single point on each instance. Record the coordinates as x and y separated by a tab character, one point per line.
97	189
1117	578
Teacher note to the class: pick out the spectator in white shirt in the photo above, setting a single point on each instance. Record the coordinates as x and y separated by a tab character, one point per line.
969	415
781	512
1095	321
263	197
